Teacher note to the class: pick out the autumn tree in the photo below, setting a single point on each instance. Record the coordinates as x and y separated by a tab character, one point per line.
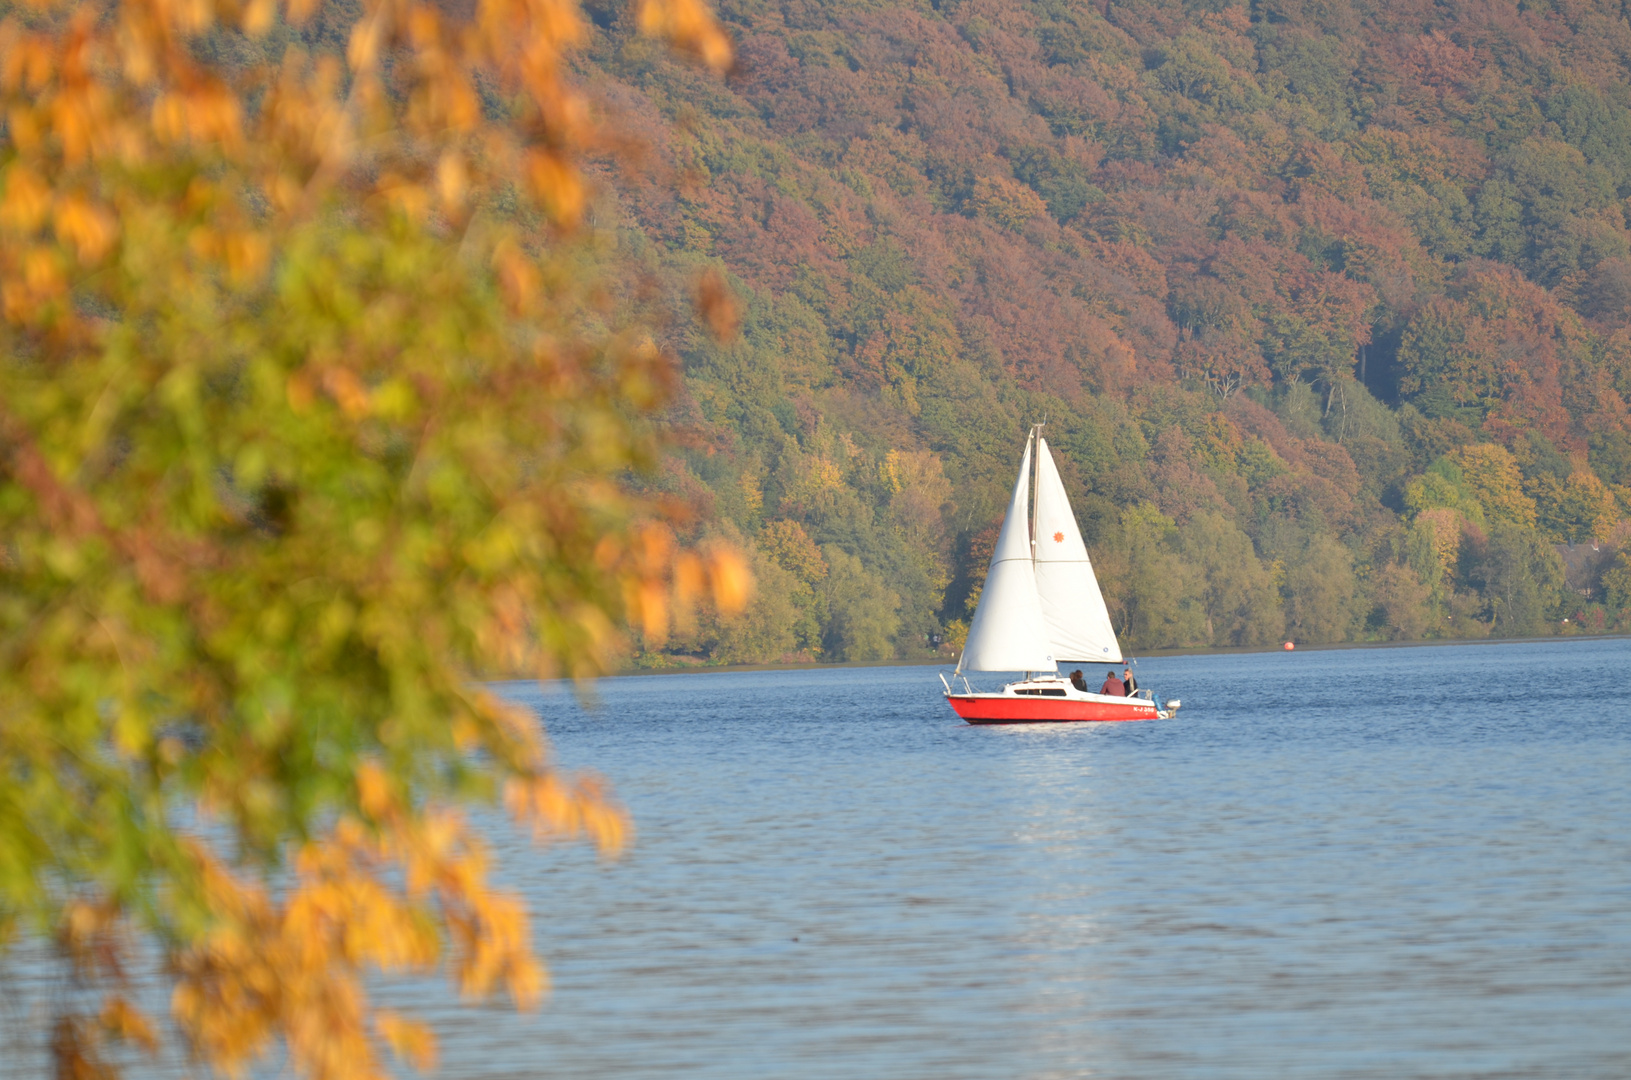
1491	473
1316	327
1578	509
1433	550
308	418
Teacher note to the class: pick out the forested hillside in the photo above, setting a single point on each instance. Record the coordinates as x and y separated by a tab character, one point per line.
1327	307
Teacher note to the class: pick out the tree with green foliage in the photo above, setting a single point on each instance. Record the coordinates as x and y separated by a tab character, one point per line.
308	419
1443	487
1443	373
1401	601
791	548
1148	586
1238	602
1617	583
1322	600
1521	577
863	613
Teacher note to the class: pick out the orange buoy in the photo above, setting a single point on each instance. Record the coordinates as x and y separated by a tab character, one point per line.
1289	646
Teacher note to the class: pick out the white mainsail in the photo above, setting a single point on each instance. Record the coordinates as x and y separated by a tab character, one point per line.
1041	602
1078	623
1009	633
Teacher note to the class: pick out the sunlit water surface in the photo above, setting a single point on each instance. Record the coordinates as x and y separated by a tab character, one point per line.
1407	862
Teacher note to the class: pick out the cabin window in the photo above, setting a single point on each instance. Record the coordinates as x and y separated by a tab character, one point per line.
1041	693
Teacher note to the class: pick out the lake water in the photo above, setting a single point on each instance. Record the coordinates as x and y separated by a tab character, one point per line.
1410	862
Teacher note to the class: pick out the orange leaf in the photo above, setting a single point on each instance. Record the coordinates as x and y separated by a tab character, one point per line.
347	391
299	391
517	275
718	306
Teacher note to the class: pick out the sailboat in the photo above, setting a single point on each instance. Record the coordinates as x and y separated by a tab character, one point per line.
1041	605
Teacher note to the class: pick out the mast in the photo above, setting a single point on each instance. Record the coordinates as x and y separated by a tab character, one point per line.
1034	446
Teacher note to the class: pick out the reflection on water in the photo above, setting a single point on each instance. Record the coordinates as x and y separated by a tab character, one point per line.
1375	863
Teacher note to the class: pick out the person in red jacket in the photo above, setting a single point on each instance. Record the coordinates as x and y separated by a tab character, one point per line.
1113	686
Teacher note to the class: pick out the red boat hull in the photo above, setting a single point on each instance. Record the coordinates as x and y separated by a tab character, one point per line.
1003	709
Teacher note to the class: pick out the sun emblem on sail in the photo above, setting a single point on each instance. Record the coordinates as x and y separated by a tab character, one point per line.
1059	538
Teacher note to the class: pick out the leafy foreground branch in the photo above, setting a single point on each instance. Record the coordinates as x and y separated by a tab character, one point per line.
307	415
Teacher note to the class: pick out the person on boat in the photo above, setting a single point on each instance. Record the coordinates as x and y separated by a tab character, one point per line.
1128	681
1112	686
1078	681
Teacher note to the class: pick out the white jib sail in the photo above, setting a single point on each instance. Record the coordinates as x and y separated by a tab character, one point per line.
1077	623
1008	632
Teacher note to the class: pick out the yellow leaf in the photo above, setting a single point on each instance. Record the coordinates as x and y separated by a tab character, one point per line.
557	185
689	577
24	126
188	16
374	791
410	1040
258	15
27	200
517	275
405	196
43	272
169	117
363	50
651	607
247	255
124	1021
451	180
89	228
689	25
731	579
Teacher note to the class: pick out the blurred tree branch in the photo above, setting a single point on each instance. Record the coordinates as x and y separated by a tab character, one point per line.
301	430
